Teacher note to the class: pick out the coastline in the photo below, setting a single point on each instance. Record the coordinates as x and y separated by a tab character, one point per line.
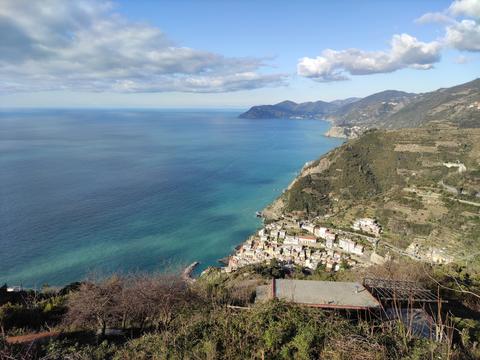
273	210
270	212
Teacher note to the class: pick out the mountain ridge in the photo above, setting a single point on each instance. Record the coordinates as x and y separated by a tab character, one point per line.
290	109
390	109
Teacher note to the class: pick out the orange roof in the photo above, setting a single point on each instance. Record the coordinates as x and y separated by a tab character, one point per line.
309	237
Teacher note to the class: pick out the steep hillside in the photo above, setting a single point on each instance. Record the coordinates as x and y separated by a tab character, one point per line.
422	184
371	109
389	109
458	104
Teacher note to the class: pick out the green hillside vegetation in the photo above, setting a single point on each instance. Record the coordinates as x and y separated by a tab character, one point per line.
399	177
163	318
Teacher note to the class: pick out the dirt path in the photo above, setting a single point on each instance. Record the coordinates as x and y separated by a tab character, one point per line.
22	339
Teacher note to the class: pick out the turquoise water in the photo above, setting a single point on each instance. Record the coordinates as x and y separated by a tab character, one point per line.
115	190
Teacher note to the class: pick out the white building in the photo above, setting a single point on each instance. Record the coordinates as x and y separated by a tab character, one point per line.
329	243
346	244
461	167
358	249
439	256
324	233
290	240
308	227
350	246
367	225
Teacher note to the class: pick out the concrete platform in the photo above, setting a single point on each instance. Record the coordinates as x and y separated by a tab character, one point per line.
325	294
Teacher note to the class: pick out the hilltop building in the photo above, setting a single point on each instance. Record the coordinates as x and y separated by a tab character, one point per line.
367	225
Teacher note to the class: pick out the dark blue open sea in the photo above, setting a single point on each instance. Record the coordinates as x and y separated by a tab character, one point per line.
137	190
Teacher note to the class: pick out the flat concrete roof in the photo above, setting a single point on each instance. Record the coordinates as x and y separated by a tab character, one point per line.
327	294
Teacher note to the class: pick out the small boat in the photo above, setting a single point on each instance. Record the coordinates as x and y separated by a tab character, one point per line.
258	214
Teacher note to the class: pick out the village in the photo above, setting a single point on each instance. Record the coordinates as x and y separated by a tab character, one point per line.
306	244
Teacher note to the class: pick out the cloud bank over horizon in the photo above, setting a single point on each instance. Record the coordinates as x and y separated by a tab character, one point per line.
85	46
405	51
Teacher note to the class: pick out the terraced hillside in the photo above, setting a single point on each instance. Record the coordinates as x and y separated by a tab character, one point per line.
423	185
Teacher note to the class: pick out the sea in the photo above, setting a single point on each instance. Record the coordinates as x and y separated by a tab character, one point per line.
99	191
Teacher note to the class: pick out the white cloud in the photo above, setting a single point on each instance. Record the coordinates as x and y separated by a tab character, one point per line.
464	35
461	34
470	8
84	45
405	52
434	17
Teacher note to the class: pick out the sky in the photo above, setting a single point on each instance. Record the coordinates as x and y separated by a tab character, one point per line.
230	53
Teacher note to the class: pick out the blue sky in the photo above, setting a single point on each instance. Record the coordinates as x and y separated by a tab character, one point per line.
230	53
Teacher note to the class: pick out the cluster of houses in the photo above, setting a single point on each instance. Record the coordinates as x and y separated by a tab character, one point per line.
303	243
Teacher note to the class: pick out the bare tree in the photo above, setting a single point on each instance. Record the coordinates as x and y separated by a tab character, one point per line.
153	300
135	301
96	303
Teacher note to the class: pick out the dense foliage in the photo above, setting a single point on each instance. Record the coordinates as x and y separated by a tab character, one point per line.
161	317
